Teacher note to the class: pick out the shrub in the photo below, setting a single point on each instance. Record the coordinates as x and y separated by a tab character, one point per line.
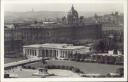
33	68
48	66
29	67
120	71
67	67
62	67
52	66
71	67
81	72
57	67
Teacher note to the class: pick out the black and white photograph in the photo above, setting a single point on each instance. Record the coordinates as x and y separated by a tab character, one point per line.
64	40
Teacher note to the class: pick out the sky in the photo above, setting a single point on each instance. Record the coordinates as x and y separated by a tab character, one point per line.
18	6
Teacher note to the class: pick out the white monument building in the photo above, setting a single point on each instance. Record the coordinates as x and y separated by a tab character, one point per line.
51	50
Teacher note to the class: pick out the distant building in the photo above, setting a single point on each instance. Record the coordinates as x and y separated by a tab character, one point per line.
72	16
71	31
12	42
112	24
59	33
108	58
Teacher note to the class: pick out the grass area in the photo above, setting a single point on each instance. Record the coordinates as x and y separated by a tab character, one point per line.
85	67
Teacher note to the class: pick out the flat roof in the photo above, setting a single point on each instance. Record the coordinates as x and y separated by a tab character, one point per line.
55	45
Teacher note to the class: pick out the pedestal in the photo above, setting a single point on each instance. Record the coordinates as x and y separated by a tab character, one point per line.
42	72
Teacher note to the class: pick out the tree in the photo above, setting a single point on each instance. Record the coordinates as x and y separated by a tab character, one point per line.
120	71
104	45
99	46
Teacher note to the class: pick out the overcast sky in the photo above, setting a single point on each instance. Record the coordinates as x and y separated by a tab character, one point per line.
41	6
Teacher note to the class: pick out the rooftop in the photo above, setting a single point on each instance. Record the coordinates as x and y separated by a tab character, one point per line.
51	25
55	45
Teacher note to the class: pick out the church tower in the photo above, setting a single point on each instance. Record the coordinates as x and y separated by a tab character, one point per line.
72	16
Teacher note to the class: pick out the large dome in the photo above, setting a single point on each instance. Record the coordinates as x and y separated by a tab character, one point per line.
73	12
72	16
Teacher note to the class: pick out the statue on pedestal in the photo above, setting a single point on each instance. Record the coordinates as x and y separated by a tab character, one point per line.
42	71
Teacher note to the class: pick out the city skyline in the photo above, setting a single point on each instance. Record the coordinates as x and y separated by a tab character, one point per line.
80	7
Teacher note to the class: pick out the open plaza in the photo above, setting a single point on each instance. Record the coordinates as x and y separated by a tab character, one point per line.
63	68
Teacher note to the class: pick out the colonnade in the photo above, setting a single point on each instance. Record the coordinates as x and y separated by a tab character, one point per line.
30	52
47	52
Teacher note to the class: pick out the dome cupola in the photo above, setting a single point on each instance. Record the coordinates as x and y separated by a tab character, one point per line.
72	16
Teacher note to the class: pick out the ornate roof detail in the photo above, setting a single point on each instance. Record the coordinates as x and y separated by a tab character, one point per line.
72	16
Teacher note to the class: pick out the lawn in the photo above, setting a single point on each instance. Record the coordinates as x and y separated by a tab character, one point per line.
85	67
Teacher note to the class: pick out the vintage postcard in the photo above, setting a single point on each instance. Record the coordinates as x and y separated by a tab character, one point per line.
63	40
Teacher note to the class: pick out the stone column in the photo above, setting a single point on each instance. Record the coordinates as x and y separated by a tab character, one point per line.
24	52
64	53
34	53
44	52
51	53
41	52
56	53
37	52
29	52
59	54
48	52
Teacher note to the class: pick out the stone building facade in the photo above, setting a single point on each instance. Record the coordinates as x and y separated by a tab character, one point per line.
59	33
50	50
39	33
12	42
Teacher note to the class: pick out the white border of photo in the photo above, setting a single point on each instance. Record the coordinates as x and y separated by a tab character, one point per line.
124	2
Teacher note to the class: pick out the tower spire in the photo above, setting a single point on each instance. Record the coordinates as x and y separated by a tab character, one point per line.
72	7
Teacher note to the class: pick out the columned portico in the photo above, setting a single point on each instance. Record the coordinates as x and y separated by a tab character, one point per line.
48	50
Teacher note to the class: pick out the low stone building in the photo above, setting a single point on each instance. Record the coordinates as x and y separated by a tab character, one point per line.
108	58
52	50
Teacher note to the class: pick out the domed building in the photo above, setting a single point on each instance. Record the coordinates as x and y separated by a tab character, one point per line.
72	30
72	16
